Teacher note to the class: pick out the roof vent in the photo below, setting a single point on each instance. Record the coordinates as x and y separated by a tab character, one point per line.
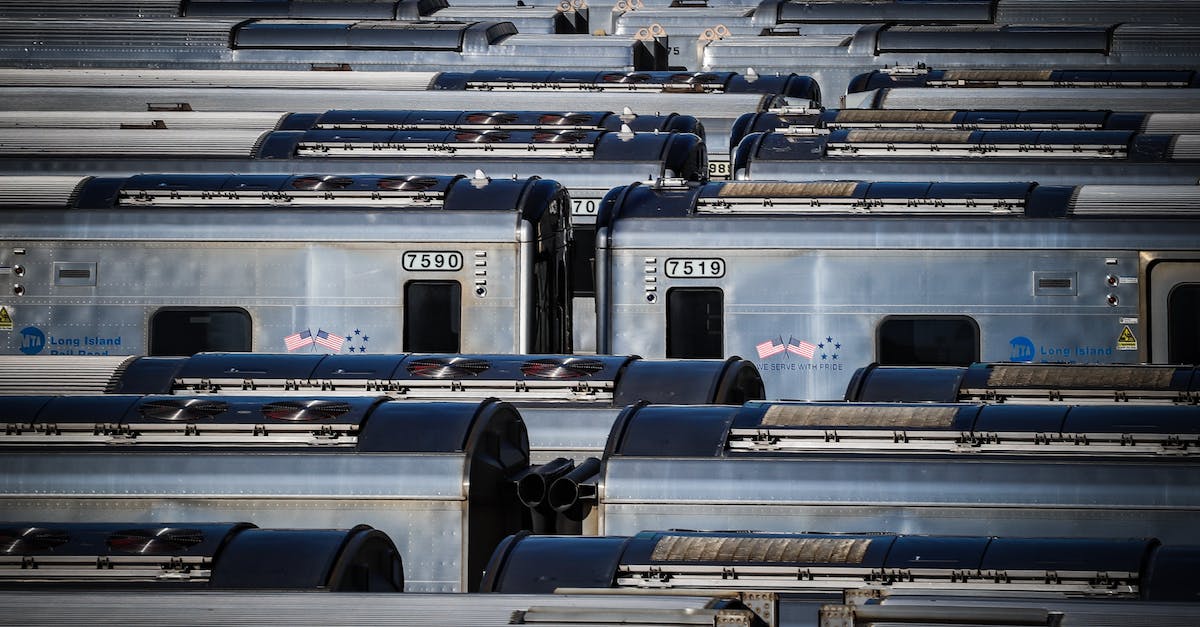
447	368
569	368
305	411
407	183
181	410
161	540
31	539
321	183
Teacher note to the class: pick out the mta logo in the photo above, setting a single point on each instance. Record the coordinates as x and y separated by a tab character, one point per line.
32	340
1022	349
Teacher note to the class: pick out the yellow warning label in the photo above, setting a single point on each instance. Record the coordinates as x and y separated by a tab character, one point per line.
1126	341
6	323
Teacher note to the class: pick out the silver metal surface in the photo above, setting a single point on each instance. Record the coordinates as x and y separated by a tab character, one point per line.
142	78
1161	99
29	608
831	282
418	500
323	270
717	112
127	120
835	63
944	495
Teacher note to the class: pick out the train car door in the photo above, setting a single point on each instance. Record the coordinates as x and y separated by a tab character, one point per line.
1173	309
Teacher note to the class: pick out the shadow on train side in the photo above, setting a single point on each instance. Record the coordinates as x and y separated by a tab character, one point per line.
568	403
1026	383
436	477
998	469
197	556
1131	569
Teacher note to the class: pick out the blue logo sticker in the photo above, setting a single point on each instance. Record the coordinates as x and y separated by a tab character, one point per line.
32	340
1022	349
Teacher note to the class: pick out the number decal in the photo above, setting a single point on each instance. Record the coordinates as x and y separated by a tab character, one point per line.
583	206
432	261
695	268
720	169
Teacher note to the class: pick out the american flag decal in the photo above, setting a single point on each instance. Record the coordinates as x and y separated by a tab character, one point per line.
801	348
298	340
332	342
770	348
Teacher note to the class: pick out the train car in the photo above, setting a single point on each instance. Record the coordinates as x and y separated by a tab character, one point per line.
834	60
1121	569
817	279
178	264
552	17
799	120
921	76
30	608
589	161
717	99
1057	157
181	557
301	44
915	469
1027	383
921	87
435	477
1161	100
568	403
379	119
691	27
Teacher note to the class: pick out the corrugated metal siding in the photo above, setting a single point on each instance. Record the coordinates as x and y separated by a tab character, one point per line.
45	191
56	375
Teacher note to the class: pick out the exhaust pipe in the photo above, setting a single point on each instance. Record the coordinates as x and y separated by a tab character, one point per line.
570	495
534	484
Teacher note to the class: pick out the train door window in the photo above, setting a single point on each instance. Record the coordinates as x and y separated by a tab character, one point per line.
188	330
432	316
1183	324
696	323
928	341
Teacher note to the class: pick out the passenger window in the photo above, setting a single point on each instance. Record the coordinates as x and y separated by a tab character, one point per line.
928	341
1183	324
696	323
432	316
187	331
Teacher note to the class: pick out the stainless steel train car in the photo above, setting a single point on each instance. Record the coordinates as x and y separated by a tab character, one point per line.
300	44
1058	157
178	264
920	87
568	403
378	119
800	120
589	161
692	26
1027	383
817	279
717	99
547	17
1158	99
998	469
834	60
1119	569
30	608
435	477
181	557
921	76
